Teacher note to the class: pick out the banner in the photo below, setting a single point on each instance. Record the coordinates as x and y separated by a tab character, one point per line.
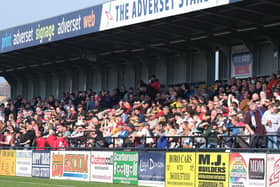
73	165
57	28
273	170
120	13
241	62
57	160
247	170
23	163
41	164
180	169
212	169
8	162
125	167
101	164
151	169
238	170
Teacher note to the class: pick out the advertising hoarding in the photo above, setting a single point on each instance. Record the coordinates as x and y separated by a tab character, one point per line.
247	170
101	163
8	162
125	167
212	169
23	163
73	165
151	169
273	170
241	62
120	13
41	164
57	28
180	169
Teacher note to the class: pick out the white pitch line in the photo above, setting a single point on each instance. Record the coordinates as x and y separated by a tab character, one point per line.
34	183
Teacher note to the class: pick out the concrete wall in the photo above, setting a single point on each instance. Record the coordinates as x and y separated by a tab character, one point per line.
176	69
199	67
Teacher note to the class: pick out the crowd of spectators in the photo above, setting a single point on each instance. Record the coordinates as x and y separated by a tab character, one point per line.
236	114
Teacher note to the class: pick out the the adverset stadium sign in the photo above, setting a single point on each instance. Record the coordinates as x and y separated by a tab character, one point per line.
109	15
127	12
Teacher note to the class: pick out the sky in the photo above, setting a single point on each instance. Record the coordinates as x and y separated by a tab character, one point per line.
19	12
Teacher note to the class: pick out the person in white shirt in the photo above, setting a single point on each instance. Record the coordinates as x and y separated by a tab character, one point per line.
271	121
142	133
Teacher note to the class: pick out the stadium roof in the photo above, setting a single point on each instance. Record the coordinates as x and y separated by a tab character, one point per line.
248	21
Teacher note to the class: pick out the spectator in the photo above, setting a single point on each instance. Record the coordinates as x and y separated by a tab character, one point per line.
51	139
147	114
40	143
61	143
273	81
210	132
253	119
8	139
271	122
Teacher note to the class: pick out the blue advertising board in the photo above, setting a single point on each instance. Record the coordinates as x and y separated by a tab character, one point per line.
41	164
61	27
151	169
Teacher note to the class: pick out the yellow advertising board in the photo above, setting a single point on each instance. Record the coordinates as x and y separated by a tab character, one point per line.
180	169
8	162
212	169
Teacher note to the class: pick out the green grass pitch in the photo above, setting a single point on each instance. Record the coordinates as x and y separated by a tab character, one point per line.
7	181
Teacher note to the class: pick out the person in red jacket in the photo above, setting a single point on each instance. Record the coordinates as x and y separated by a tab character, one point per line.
51	138
61	142
154	83
40	143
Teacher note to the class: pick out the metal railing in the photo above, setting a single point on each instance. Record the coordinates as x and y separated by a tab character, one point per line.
181	142
243	142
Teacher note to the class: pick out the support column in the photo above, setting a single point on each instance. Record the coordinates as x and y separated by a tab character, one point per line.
210	53
217	65
11	79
